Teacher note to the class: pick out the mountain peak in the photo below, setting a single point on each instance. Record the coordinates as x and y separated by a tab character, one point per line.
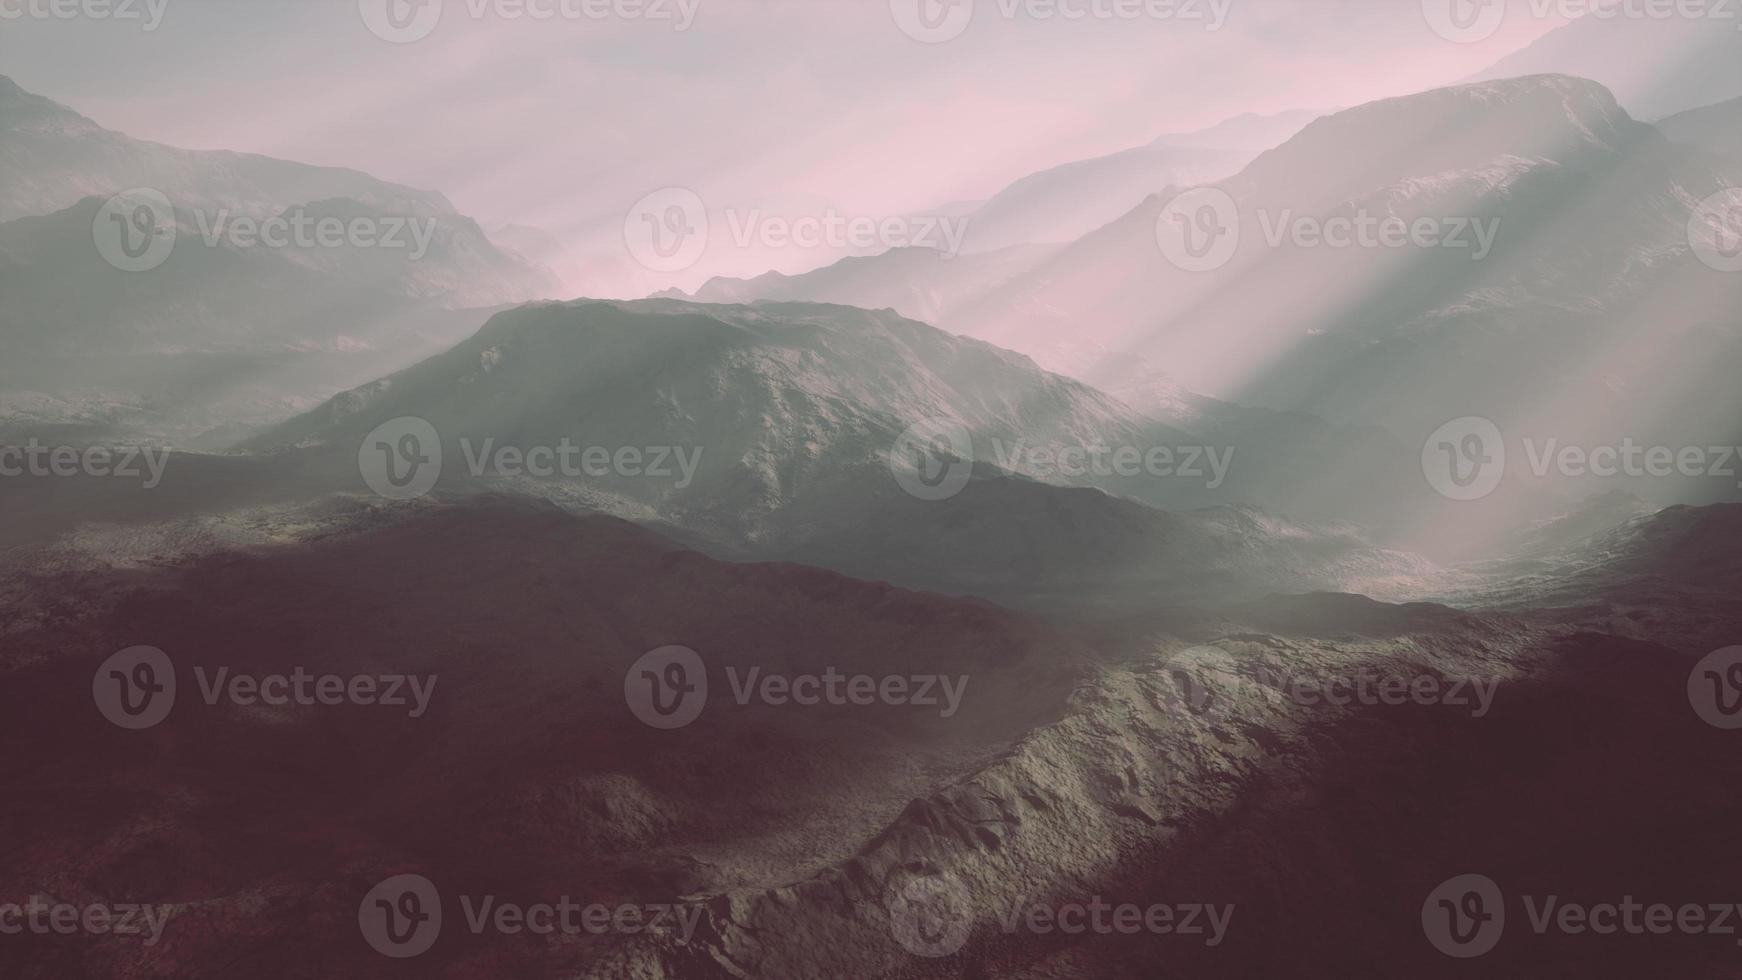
1462	128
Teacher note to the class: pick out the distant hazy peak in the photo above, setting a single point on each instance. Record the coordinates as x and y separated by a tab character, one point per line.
1557	118
20	109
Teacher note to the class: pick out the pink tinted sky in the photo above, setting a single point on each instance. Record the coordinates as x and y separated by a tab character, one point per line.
796	104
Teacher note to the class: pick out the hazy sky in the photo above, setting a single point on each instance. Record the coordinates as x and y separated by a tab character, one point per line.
563	123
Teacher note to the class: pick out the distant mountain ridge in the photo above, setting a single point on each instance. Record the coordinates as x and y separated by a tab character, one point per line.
798	411
1656	65
51	157
1717	128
